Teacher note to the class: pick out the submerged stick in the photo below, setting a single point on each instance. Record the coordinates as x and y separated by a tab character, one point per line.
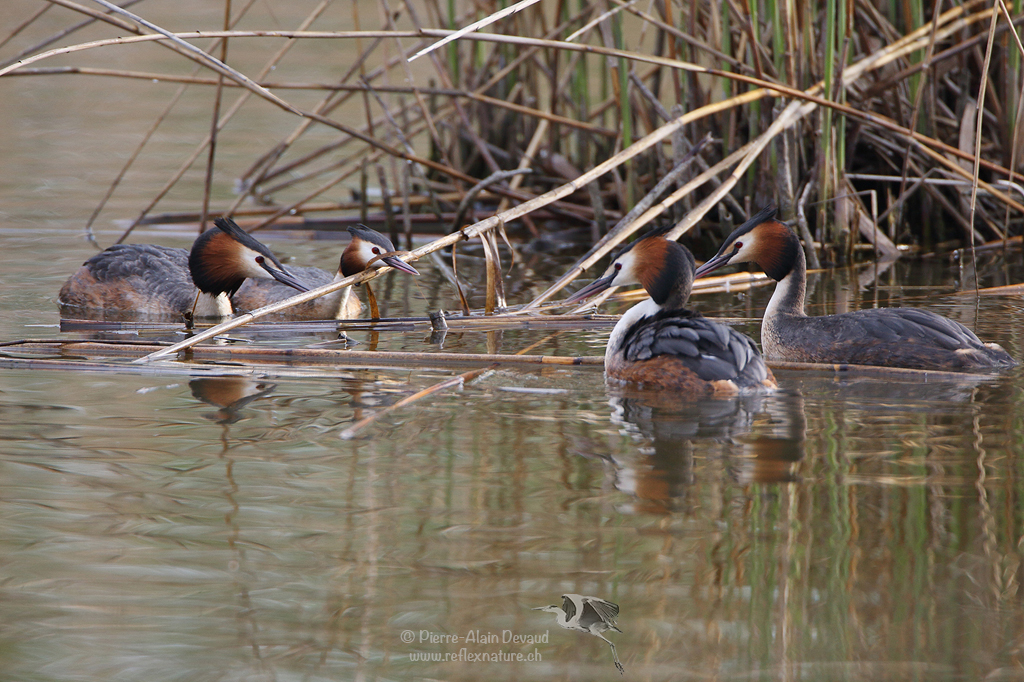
291	355
350	432
842	367
459	380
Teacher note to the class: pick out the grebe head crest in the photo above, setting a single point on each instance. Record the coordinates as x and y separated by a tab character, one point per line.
762	240
663	267
222	259
369	247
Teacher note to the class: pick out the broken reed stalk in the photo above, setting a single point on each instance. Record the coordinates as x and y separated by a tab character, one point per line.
287	357
977	140
92	348
459	380
372	302
641	214
898	48
218	124
796	110
953	24
467	233
906	45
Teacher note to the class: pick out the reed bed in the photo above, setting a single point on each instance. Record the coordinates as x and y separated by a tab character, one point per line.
851	115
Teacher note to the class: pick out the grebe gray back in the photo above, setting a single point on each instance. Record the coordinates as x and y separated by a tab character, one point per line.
887	337
660	344
366	245
146	279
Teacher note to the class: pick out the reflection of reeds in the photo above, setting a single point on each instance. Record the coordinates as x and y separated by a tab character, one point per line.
282	549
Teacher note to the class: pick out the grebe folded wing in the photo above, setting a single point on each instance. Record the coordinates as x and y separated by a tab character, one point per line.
143	279
890	337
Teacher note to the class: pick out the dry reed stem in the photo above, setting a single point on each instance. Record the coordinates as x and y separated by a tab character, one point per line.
476	26
906	45
611	240
477	321
286	359
442	168
943	25
178	44
901	48
1018	118
218	124
88	348
977	141
467	233
28	22
919	96
793	112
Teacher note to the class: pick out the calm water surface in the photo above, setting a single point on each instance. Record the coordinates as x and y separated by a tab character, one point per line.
179	525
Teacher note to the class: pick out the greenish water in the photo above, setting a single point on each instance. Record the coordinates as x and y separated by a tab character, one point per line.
177	525
165	526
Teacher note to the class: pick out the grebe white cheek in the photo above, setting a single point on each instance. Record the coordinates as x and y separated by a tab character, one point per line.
364	250
660	344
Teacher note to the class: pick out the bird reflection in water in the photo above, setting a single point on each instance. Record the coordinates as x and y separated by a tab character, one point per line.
762	439
229	395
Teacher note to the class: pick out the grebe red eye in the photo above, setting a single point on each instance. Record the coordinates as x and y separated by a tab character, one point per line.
376	250
259	259
618	266
737	246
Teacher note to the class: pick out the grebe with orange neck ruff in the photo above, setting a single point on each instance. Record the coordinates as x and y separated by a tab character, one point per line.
152	280
367	248
660	344
885	337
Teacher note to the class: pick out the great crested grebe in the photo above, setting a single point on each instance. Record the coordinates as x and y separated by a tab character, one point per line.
660	344
146	279
887	337
366	245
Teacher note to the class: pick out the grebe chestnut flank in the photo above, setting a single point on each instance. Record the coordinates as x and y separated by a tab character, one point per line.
146	279
887	337
660	344
366	245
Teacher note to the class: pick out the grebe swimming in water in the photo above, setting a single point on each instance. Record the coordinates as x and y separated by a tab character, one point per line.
660	344
146	279
887	337
367	245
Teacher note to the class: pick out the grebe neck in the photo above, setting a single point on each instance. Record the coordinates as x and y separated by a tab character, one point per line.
788	298
344	293
209	305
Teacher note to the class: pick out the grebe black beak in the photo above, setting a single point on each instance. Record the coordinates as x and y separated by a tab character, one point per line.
282	275
399	264
595	287
717	261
